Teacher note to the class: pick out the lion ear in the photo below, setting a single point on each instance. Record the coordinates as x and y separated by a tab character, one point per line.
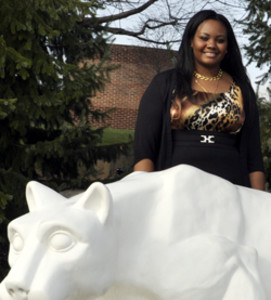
97	198
39	196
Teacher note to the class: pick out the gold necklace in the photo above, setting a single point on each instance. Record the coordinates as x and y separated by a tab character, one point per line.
217	77
204	89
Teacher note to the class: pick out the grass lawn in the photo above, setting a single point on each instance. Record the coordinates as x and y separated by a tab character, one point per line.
117	136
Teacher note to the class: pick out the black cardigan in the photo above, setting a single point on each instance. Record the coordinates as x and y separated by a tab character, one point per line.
153	135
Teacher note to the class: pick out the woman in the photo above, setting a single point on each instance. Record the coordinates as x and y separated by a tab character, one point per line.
203	112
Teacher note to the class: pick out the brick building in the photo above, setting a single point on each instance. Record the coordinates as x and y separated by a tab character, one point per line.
137	66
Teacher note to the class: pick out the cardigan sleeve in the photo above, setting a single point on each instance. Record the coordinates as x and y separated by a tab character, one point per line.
254	152
150	119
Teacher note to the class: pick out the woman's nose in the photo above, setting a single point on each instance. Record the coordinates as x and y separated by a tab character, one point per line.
211	44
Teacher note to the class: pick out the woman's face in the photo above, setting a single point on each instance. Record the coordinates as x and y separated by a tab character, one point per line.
209	44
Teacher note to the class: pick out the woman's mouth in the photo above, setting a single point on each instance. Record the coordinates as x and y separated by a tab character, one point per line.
210	54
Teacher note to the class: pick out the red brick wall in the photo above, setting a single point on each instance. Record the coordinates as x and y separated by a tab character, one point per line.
127	84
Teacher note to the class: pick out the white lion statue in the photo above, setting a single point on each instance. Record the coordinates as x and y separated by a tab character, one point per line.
169	235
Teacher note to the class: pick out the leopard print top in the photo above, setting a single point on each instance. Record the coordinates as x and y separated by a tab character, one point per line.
222	112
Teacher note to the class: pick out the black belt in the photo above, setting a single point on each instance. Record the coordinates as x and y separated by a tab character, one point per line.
204	137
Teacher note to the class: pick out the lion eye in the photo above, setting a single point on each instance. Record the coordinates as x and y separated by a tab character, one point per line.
61	241
17	242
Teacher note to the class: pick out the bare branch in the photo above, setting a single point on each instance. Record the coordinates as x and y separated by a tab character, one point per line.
122	15
122	31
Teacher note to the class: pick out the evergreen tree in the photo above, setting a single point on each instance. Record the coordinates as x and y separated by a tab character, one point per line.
264	106
257	26
51	64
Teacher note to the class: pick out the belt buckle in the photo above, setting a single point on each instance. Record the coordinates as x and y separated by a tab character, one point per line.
210	139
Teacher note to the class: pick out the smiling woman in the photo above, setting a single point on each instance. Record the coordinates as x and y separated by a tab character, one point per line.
203	112
209	46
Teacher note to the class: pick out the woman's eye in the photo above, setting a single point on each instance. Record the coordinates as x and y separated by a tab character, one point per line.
62	241
204	38
221	41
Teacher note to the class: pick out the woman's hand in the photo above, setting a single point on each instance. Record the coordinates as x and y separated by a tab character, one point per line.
145	164
257	180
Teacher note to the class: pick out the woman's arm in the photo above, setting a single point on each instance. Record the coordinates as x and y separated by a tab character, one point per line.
149	124
253	147
257	180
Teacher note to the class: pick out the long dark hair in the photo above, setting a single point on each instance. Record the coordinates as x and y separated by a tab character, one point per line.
231	63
